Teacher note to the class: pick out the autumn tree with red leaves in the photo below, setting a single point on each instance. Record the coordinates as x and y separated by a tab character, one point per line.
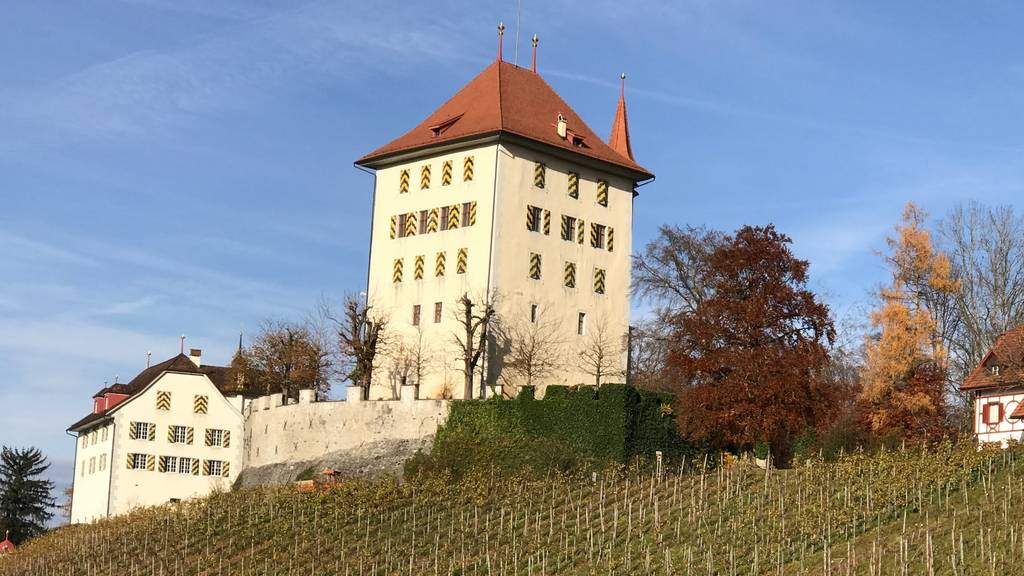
752	352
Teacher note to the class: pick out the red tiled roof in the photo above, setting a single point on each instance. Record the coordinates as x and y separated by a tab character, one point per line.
1008	354
1018	412
619	139
505	98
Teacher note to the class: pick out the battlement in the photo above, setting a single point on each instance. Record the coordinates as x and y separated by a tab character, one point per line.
407	394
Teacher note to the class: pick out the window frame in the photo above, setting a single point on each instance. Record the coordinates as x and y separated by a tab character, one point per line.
175	428
135	461
581	323
416	315
217	437
438	311
538	216
216	467
569	228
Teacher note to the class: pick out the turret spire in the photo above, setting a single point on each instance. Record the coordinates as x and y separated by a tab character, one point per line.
619	139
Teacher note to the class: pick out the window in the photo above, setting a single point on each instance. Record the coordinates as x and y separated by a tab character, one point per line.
138	461
85	440
178	435
992	413
534	266
581	323
570	275
214	468
141	431
177	465
92	465
568	228
437	312
423	222
92	438
993	370
533	218
444	217
468	214
214	437
104	434
597	232
415	314
103	462
533	313
402	224
82	468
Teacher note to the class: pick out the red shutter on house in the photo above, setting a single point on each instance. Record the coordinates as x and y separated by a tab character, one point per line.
987	416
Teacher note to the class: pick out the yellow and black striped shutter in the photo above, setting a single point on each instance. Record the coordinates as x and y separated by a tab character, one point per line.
151	435
410	224
417	272
209	437
531	223
131	461
163	464
189	434
574	185
539	170
472	213
394	227
453	216
201	404
432	220
534	265
150	462
593	235
547	222
439	262
599	280
133	431
565	226
602	192
195	466
163	400
227	438
467	169
611	239
446	173
403	182
170	434
425	177
206	467
463	261
570	275
580	231
396	275
225	469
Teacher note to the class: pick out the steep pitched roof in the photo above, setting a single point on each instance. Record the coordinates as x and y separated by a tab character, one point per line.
619	139
505	98
1008	354
180	363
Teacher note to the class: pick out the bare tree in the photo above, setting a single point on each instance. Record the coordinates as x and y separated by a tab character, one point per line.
648	369
286	357
535	347
601	355
410	361
361	338
474	319
668	273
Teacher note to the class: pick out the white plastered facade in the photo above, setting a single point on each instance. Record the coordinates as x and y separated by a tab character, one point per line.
992	411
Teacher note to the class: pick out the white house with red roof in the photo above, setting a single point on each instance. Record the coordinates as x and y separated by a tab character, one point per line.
997	386
503	190
173	432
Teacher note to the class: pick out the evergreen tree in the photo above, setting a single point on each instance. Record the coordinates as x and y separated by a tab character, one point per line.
25	499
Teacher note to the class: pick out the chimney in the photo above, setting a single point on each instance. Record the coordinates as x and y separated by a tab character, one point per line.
561	127
196	356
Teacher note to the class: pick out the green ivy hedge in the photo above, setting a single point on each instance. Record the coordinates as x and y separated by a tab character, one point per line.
569	427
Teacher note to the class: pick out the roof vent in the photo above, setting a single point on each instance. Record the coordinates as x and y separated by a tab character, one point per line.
562	126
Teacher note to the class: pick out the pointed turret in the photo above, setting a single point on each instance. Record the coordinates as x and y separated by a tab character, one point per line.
619	139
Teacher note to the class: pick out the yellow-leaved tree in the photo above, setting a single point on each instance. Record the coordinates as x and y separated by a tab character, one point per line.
904	374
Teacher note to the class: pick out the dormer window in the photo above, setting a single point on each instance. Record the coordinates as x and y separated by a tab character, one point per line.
442	127
993	370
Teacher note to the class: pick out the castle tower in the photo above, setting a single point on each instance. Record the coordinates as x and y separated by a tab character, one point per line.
502	193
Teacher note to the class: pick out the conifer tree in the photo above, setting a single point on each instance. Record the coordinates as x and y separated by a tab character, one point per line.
25	499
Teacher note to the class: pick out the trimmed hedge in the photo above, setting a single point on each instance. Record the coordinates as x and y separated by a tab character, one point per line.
570	426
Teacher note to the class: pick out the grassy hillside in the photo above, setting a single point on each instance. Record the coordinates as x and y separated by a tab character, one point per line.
953	510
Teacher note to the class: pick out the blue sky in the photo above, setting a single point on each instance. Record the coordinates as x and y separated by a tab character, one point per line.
185	166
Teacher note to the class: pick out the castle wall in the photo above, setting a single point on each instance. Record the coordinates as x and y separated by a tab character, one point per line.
278	433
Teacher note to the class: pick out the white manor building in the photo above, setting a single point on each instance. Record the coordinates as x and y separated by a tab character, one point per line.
997	386
502	192
173	432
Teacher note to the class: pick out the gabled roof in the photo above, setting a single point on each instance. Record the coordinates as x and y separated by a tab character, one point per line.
1008	354
505	98
219	375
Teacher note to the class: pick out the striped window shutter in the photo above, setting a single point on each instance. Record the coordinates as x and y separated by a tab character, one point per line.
206	467
225	469
602	192
163	400
534	266
189	434
432	220
539	170
574	185
599	280
396	276
410	224
611	239
163	464
133	431
201	404
170	434
580	227
453	216
439	262
446	173
131	461
151	432
417	272
547	222
531	223
403	182
472	213
467	169
209	437
463	261
195	466
565	226
227	438
425	177
150	462
593	235
570	275
394	227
